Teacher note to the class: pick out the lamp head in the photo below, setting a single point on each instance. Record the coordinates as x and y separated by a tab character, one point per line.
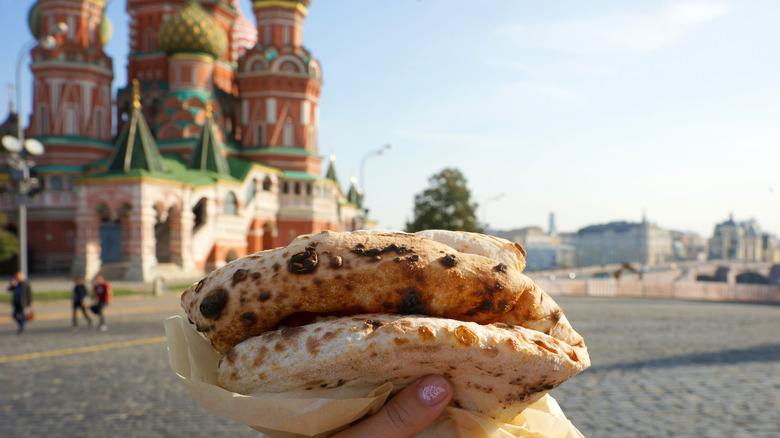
33	147
11	144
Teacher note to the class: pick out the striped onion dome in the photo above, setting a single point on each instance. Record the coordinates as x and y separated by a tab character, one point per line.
192	30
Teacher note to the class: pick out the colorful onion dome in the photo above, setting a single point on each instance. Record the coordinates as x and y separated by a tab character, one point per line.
244	32
34	20
192	30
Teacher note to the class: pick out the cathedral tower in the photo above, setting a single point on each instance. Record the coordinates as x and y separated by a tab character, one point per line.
279	84
72	103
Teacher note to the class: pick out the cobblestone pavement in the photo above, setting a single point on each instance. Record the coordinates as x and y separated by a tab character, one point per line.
663	368
660	368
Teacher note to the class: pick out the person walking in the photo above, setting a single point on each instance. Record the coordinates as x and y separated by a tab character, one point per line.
102	293
79	295
22	299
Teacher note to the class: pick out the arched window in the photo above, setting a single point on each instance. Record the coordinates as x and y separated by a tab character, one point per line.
200	213
266	184
250	190
231	205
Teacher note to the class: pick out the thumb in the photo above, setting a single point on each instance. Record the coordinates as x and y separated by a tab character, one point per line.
407	413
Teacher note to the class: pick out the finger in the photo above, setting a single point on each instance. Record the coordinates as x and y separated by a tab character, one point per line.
408	412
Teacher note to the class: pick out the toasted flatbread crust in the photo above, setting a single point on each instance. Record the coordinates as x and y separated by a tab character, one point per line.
352	273
496	370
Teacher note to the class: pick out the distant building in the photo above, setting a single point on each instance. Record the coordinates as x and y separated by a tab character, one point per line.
623	242
689	246
543	250
742	241
771	248
545	256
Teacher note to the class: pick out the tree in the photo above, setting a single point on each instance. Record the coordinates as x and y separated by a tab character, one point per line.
446	205
9	244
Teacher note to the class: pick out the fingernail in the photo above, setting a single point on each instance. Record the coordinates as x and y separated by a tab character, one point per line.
433	390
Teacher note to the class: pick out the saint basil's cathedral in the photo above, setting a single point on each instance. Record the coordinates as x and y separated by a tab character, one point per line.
214	150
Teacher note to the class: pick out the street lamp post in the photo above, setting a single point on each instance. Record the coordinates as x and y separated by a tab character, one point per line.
19	149
376	153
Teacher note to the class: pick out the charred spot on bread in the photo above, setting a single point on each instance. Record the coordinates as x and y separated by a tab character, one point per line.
212	305
449	260
485	305
200	285
248	319
412	302
303	262
239	276
263	296
374	252
500	268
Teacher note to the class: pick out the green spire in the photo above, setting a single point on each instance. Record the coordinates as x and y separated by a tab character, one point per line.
354	196
135	147
331	174
207	153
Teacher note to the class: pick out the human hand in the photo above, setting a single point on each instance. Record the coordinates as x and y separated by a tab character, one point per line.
407	413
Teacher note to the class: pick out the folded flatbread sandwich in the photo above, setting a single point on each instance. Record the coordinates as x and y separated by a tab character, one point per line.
335	309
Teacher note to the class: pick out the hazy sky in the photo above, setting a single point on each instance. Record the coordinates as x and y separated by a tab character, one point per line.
597	111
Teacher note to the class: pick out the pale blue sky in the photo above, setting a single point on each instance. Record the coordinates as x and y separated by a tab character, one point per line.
597	111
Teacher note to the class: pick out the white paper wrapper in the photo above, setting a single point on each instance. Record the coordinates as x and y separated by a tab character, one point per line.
322	412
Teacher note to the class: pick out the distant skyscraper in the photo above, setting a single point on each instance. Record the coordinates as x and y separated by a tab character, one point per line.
553	228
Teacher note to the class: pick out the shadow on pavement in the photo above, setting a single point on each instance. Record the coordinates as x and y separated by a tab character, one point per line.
762	353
